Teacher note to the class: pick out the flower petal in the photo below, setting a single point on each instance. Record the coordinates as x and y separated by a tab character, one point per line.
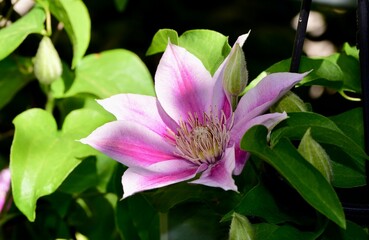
182	84
220	99
220	174
130	143
268	91
268	120
144	110
157	175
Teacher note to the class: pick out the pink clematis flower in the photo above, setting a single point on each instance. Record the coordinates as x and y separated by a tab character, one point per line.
189	129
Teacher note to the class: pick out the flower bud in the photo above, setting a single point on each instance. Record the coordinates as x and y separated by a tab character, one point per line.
290	103
235	73
314	153
47	63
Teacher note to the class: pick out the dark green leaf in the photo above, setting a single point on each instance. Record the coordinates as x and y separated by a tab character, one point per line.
323	130
310	184
259	202
136	219
15	73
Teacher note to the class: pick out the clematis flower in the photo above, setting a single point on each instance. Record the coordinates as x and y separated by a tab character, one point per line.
189	131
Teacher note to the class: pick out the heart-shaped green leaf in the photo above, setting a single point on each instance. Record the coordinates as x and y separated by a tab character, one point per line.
307	180
209	46
42	157
111	72
12	36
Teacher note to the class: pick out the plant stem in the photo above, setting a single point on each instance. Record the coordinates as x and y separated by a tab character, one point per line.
50	101
163	218
300	35
364	69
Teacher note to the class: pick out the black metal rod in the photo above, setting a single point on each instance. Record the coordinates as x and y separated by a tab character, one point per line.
300	35
363	43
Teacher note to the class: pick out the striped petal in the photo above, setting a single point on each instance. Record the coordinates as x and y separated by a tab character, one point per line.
130	143
182	84
157	175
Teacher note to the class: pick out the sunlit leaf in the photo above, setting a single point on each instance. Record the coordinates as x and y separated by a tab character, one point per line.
42	157
241	228
12	36
160	41
209	46
111	72
76	20
308	182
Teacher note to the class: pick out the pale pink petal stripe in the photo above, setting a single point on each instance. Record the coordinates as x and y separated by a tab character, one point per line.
268	120
130	143
220	174
182	84
144	110
268	91
157	175
220	99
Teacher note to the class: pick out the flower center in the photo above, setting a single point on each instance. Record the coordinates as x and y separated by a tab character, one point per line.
203	140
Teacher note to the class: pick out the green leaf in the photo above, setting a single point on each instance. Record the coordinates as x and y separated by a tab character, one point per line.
290	102
12	36
120	4
15	73
209	46
352	124
323	130
241	228
259	202
93	215
265	231
353	231
315	154
111	72
42	157
75	17
308	182
160	41
339	71
135	216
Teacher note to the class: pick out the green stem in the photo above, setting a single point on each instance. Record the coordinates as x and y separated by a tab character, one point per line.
163	218
234	101
48	22
50	102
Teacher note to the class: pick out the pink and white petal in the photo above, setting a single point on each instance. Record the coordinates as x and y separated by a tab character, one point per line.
268	91
182	84
268	120
157	175
145	110
220	99
130	143
220	173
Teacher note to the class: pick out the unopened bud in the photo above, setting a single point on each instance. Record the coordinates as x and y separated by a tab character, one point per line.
314	153
290	103
47	63
235	73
